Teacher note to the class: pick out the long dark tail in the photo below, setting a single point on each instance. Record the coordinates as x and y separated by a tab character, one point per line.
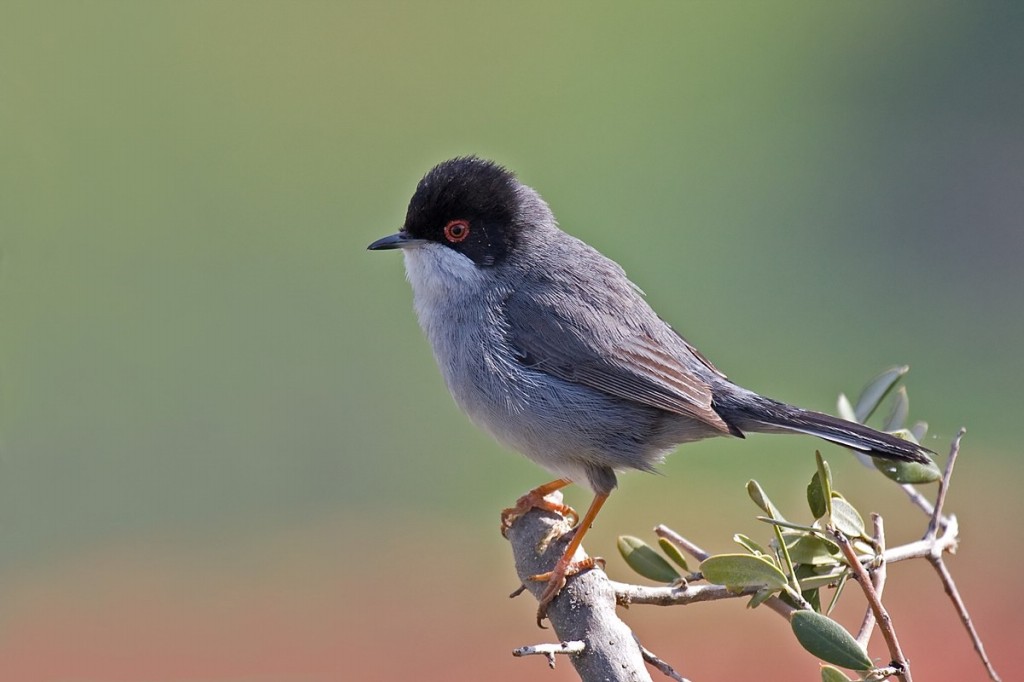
750	412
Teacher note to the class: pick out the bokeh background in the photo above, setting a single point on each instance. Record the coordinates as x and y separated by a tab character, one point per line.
225	452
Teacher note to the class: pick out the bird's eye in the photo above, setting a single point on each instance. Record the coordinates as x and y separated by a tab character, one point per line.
456	230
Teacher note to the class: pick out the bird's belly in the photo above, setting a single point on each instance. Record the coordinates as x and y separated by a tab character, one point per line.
568	428
565	427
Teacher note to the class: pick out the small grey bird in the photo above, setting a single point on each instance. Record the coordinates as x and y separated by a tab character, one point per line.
547	345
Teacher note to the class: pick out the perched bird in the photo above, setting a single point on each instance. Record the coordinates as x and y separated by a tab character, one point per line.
544	343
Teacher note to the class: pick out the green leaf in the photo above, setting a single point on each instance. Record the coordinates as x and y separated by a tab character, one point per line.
749	545
845	409
824	479
784	558
815	499
831	674
812	550
828	640
810	594
822	580
760	597
876	390
915	473
819	490
787	524
919	429
900	408
909	472
739	571
846	518
673	553
760	498
642	558
813	597
840	584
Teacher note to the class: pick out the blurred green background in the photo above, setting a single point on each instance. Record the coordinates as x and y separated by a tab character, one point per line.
225	452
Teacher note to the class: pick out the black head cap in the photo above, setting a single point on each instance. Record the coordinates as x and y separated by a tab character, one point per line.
467	204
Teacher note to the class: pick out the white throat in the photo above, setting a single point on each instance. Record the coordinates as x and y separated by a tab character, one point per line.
442	282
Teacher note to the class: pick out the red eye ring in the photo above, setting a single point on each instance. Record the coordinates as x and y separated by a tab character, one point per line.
456	230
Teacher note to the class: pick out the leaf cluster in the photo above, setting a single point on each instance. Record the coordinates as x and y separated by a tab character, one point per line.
802	558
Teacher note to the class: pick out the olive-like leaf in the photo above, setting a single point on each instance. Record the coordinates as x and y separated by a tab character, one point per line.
813	597
828	640
823	580
815	497
876	390
904	434
812	550
642	558
673	553
824	482
845	409
919	429
900	409
915	473
832	674
846	518
787	524
760	498
748	544
838	592
760	597
738	571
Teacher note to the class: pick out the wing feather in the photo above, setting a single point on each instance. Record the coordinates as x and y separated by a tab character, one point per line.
635	358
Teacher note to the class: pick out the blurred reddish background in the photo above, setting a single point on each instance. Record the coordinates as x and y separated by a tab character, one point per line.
303	605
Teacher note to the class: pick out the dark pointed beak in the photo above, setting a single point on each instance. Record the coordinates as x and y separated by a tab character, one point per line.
399	240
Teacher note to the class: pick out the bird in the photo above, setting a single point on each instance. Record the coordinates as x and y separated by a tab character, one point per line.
546	344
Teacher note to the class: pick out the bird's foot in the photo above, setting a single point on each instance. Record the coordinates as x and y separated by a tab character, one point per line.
538	499
556	579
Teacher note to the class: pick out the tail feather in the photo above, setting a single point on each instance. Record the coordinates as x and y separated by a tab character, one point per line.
756	413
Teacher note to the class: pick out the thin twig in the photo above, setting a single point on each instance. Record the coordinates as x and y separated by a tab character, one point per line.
961	608
663	531
680	595
935	559
674	595
660	665
940	497
549	650
699	594
878	576
881	615
919	500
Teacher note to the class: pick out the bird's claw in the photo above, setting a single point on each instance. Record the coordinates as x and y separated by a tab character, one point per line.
556	579
535	500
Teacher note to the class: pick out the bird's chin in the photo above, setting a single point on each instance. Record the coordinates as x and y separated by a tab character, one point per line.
434	269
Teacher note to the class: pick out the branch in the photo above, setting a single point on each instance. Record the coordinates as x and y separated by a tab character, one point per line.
935	559
933	511
940	498
674	595
671	595
585	609
961	609
549	650
877	580
774	603
660	665
899	661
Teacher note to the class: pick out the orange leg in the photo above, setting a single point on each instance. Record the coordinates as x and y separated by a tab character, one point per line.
537	499
566	567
